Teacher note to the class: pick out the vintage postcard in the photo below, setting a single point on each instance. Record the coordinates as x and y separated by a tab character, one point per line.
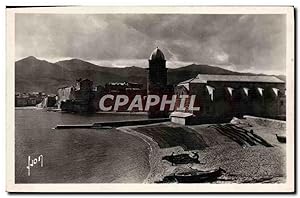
150	99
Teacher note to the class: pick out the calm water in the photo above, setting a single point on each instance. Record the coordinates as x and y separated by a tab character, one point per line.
77	155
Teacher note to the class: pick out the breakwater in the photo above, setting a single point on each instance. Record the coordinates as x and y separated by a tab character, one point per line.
113	124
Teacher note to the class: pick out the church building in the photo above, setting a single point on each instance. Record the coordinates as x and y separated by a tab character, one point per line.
221	97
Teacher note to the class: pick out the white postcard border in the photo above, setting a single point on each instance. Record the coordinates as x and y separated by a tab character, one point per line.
113	188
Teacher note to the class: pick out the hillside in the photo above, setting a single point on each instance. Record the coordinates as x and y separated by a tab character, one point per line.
33	74
102	75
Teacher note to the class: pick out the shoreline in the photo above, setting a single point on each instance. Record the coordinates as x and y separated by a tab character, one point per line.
153	151
158	169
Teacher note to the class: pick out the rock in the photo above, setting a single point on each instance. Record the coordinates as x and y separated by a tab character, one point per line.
235	121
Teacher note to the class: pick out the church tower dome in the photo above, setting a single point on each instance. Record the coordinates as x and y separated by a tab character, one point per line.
157	75
157	54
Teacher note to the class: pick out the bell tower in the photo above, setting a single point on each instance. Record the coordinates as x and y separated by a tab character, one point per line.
157	81
157	71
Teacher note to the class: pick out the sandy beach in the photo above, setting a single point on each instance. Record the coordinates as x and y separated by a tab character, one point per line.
258	163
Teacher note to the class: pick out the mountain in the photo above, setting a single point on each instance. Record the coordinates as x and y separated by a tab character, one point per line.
33	74
102	75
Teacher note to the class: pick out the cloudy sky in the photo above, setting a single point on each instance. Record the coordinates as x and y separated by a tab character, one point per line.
254	43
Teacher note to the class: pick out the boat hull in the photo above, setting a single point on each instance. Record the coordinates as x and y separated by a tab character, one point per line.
198	177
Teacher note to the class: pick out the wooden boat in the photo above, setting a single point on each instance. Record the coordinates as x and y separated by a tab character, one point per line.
181	159
198	176
281	138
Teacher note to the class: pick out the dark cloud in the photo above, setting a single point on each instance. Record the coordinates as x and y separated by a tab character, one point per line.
237	41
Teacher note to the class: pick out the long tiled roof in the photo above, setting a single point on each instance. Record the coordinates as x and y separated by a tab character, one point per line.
204	78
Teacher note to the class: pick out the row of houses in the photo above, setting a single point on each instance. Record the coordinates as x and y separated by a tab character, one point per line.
38	99
28	99
85	97
82	96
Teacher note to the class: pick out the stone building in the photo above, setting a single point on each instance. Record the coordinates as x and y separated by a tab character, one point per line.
129	89
65	94
157	81
220	97
48	101
76	98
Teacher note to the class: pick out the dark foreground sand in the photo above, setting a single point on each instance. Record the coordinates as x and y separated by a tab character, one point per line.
243	163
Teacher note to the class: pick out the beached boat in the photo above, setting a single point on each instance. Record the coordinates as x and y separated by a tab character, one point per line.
281	138
181	159
198	176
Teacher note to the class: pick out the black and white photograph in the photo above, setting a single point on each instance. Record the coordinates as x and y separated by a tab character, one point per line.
196	99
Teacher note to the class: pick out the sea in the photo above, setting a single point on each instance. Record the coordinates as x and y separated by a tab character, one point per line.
47	155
